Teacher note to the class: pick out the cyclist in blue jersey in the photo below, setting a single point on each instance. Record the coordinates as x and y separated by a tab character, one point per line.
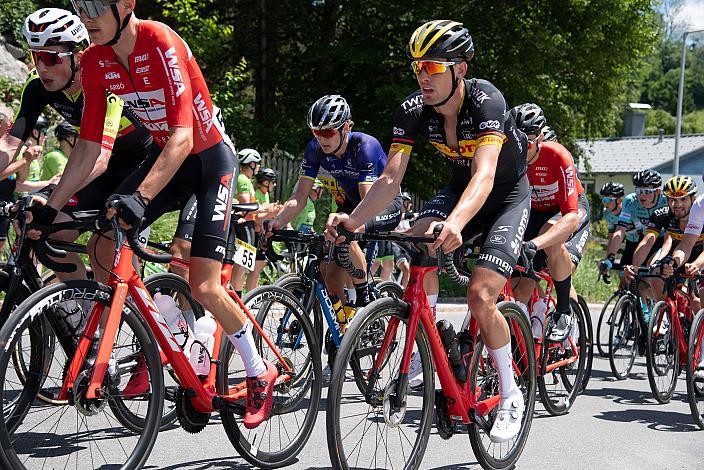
351	161
612	198
637	208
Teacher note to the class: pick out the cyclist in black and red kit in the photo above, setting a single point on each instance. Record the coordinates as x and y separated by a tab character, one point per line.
467	121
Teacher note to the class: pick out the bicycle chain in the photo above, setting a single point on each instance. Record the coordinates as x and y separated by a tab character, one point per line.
191	421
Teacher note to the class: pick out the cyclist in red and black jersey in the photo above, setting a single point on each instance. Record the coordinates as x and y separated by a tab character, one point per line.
559	218
152	69
467	121
56	39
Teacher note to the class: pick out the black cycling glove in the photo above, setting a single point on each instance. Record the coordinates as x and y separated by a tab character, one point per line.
130	208
42	218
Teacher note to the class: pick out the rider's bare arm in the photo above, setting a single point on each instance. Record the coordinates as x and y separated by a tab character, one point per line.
641	253
479	187
296	202
172	156
10	147
615	240
382	192
559	233
684	248
78	169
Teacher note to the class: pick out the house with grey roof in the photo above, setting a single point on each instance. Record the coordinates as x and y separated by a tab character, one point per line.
618	158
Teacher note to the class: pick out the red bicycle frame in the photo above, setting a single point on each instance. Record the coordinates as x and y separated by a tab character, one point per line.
507	294
125	280
675	306
460	398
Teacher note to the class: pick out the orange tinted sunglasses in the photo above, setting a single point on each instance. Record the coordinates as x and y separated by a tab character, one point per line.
432	67
324	133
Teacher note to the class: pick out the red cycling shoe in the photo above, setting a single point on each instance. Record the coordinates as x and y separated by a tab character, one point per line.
260	396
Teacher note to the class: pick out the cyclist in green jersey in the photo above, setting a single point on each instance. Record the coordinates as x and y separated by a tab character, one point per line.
250	162
305	220
265	180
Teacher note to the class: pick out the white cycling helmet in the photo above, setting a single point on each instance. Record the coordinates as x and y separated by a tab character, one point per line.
247	156
55	27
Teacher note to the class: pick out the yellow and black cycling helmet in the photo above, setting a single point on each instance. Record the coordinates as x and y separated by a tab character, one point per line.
680	186
441	39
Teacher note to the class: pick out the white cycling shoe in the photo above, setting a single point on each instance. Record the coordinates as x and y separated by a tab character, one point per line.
508	419
415	372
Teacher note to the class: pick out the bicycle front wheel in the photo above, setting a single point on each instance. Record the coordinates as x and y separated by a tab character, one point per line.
589	354
277	441
623	336
371	431
484	379
84	432
602	326
662	353
695	378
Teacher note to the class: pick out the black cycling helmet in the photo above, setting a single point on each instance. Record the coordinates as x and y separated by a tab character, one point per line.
65	130
548	134
329	112
530	118
612	189
266	174
647	179
441	39
406	196
42	124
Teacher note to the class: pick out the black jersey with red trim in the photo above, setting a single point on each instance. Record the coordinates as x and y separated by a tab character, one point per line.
483	119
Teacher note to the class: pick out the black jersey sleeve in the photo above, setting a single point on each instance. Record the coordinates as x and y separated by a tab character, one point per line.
658	220
32	103
489	111
407	124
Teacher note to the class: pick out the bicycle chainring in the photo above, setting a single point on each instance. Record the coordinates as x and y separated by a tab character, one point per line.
191	421
446	428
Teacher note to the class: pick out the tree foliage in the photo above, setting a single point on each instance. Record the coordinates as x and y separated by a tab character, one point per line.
12	15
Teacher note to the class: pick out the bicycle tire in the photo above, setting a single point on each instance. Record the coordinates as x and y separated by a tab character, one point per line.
695	386
390	289
307	378
624	327
155	283
590	342
31	313
521	333
602	326
422	418
560	403
662	376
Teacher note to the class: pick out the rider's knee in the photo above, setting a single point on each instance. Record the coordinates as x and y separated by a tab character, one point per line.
482	301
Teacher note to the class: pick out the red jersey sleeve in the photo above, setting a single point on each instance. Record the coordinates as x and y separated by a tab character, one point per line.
568	190
95	103
174	55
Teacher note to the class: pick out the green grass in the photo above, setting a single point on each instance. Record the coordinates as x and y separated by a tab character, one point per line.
585	278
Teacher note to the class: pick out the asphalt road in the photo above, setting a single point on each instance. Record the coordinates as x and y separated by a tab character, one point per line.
615	424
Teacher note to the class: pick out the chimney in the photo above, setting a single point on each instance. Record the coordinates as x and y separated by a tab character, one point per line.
661	135
634	120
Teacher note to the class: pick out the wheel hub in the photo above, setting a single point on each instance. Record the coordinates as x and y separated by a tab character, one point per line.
86	406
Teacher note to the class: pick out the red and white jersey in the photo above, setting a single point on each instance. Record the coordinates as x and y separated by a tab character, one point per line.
164	87
553	180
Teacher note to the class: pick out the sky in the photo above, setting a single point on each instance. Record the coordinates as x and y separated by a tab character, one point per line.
693	13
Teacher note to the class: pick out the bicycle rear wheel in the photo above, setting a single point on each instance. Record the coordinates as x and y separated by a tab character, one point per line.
623	336
695	378
277	441
602	326
84	432
369	431
484	379
662	353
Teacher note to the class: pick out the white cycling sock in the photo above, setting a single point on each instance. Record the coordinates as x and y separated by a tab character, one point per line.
433	302
351	296
244	344
504	366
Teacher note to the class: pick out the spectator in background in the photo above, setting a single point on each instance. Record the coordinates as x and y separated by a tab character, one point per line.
32	170
305	220
5	118
264	182
55	161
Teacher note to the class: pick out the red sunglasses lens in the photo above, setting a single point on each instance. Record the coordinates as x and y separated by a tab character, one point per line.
325	133
49	59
